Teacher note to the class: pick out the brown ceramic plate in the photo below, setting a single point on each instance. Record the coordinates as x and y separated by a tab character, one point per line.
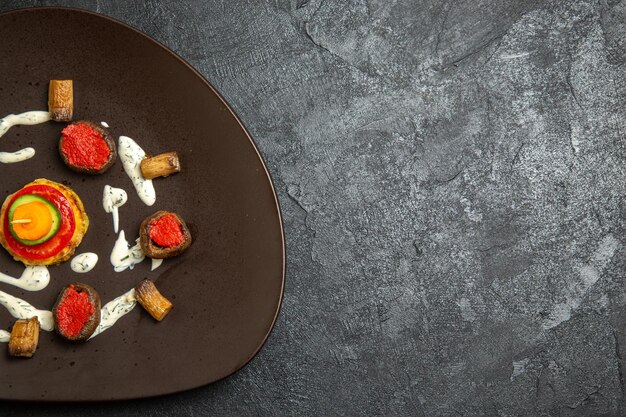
226	289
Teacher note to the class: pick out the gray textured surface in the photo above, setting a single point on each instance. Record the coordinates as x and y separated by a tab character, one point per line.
452	179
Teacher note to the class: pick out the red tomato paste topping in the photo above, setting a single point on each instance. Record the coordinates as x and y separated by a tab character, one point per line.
166	231
84	146
73	312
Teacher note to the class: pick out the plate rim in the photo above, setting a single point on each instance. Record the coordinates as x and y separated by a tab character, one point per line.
256	150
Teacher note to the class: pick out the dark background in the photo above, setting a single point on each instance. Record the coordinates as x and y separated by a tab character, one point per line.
452	180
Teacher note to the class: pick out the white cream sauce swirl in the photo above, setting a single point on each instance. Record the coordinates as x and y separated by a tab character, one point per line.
156	263
84	262
131	156
27	118
112	199
20	309
123	256
34	278
112	311
18	156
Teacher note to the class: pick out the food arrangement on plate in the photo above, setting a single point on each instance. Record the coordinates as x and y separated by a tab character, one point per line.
44	222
